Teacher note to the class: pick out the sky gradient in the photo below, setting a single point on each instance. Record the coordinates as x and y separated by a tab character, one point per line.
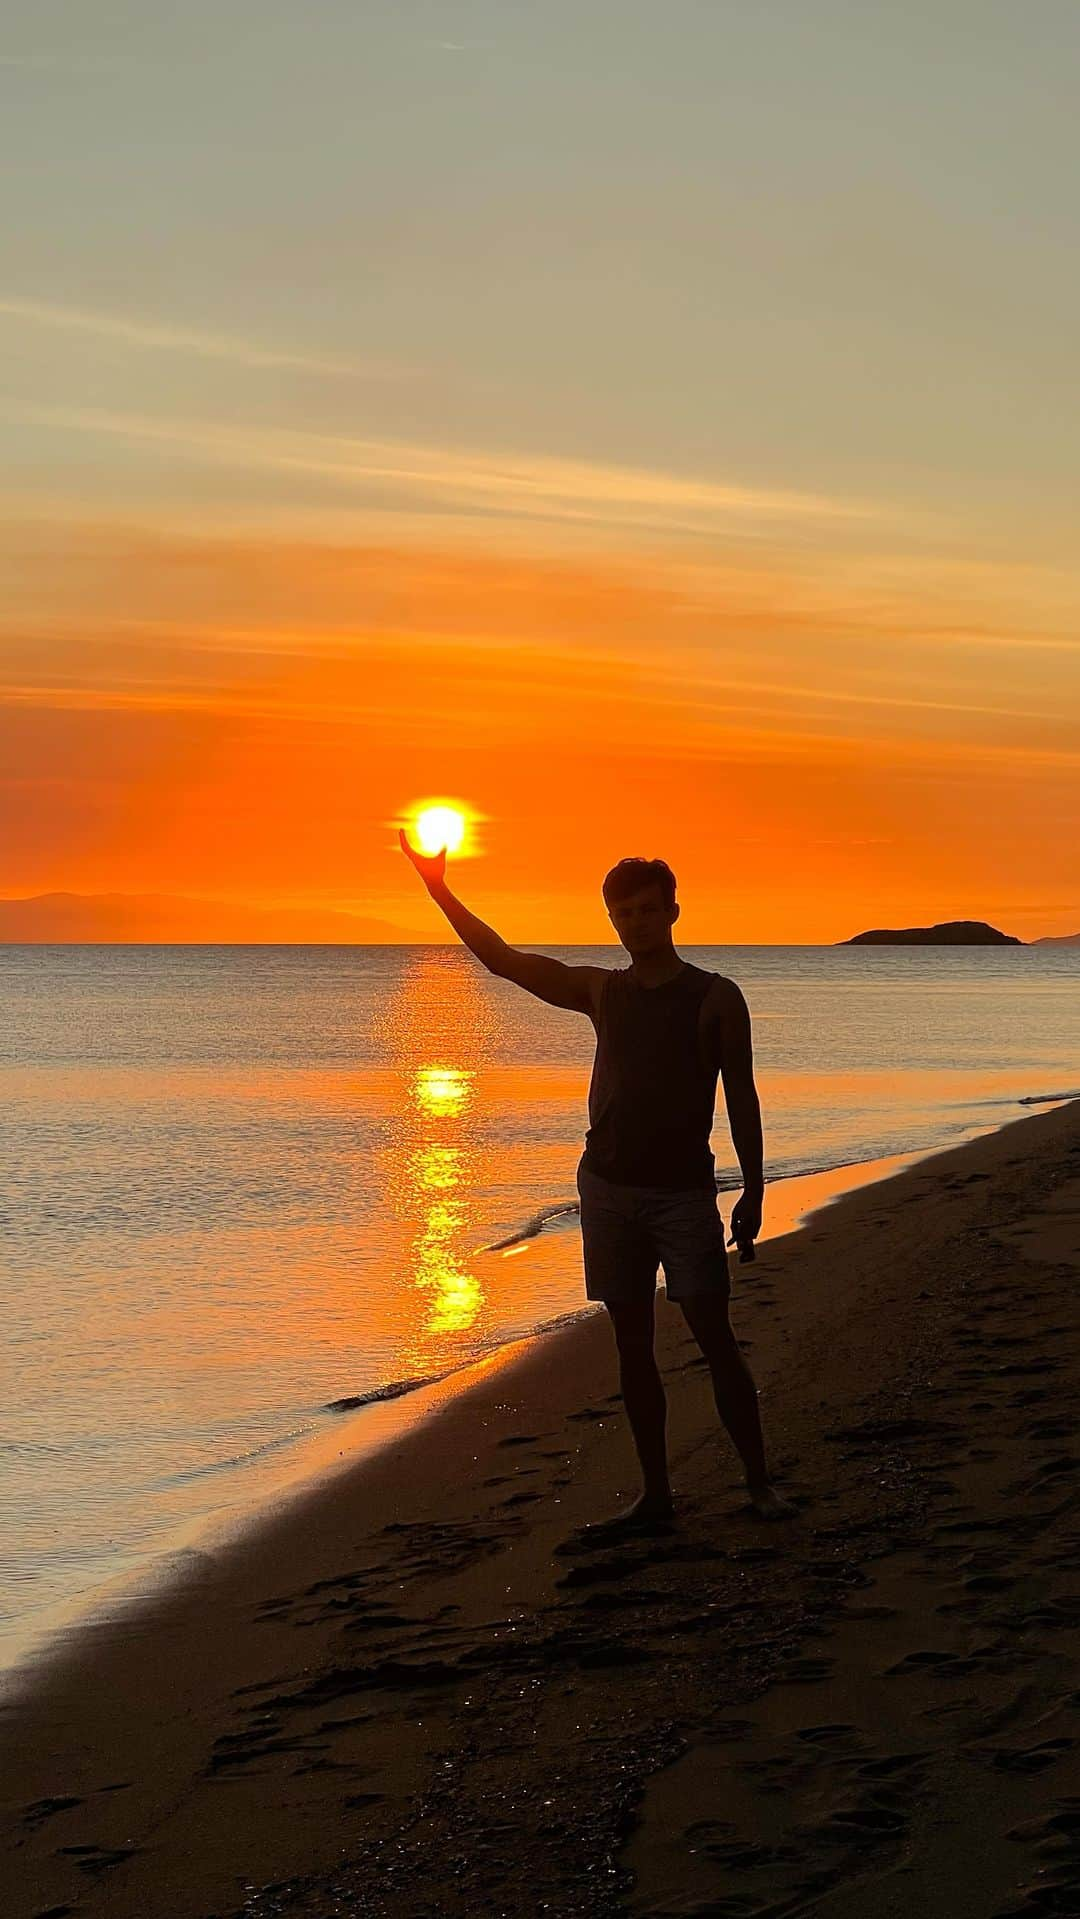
654	426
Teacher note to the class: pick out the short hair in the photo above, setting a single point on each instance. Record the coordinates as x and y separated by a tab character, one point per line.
631	875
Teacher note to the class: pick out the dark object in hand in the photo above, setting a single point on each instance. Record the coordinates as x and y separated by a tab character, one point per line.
746	1249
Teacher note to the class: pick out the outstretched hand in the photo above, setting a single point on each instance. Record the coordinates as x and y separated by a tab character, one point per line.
431	867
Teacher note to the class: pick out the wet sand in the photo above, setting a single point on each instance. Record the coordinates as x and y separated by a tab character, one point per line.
413	1693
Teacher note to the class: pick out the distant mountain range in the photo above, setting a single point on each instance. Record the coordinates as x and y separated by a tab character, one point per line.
1057	939
167	919
945	933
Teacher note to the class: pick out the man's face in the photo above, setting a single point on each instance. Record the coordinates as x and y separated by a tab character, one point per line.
642	920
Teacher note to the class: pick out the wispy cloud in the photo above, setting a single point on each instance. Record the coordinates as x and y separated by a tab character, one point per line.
1014	642
377	673
536	488
731	689
155	335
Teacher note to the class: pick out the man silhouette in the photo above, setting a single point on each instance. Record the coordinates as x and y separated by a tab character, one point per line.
666	1030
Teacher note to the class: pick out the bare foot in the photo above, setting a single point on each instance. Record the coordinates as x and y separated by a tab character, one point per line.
768	1504
649	1514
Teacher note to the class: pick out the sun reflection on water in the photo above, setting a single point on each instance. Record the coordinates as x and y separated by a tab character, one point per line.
436	1169
438	1187
436	1179
438	1031
441	1090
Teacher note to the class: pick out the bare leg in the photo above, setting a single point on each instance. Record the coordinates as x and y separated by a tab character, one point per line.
736	1398
643	1397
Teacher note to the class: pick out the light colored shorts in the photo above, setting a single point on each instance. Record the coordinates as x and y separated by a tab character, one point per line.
627	1231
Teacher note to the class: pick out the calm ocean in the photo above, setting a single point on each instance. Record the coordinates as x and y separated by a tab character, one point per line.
240	1183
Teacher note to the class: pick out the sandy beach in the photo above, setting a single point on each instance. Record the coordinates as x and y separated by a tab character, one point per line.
412	1692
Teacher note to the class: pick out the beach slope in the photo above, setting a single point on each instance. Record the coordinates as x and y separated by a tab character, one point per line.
413	1693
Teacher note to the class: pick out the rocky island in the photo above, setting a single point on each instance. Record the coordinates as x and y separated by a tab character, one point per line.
946	933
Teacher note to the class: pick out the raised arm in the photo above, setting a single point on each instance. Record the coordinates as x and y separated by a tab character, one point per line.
575	987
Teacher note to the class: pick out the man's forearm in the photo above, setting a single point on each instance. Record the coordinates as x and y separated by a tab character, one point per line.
744	1118
480	939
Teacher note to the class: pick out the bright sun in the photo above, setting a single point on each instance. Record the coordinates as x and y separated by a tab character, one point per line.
439	826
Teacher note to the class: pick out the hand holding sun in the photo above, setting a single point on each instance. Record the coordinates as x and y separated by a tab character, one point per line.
440	830
430	868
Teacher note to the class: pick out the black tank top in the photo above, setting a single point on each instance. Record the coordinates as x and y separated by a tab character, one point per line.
653	1094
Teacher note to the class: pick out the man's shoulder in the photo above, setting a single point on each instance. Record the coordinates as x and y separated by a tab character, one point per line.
721	1000
721	990
600	981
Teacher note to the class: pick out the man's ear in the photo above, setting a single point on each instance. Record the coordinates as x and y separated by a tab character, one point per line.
675	912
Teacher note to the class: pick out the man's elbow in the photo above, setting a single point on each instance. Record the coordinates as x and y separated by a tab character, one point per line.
499	960
741	1095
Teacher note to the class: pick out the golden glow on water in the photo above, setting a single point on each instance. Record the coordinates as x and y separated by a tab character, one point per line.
439	1191
439	1090
440	1194
456	1293
307	1167
437	1169
439	1028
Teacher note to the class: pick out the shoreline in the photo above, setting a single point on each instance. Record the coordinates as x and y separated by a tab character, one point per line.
411	1620
351	1436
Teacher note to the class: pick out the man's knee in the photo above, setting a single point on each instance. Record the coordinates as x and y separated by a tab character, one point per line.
708	1320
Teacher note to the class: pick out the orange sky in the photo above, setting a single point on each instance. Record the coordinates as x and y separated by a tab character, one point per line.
653	425
661	436
818	734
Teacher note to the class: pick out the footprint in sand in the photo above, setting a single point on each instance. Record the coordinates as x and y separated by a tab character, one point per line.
94	1859
625	1601
1052	1468
1050	1829
375	1620
326	1585
891	1763
825	1735
867	1821
804	1672
1027	1758
41	1809
933	1659
598	1570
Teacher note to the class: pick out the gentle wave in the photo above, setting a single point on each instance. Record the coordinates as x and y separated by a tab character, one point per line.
399	1387
566	1209
570	1209
394	1390
794	1168
232	1460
